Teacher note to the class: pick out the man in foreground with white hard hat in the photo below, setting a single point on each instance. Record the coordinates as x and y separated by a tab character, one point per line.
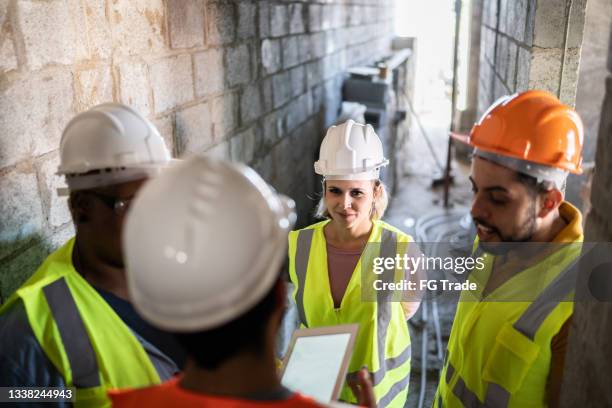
509	337
71	324
220	292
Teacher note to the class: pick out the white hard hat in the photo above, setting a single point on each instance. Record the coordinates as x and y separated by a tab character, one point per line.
109	144
204	243
350	151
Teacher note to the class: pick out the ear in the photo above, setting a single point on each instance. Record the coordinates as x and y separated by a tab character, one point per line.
550	201
80	206
377	188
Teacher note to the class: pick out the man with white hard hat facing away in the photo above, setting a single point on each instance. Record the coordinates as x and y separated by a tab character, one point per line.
209	270
71	324
509	337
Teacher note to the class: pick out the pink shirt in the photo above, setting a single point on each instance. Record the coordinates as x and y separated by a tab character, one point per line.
340	266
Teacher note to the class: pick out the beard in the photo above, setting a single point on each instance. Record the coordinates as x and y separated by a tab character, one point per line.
523	233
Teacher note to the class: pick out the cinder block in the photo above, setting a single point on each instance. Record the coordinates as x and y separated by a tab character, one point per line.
511	64
137	28
523	67
18	269
186	23
264	19
224	115
98	29
297	112
296	22
517	28
172	82
610	52
209	72
318	44
297	76
549	30
56	208
281	88
271	55
503	16
545	69
267	94
326	17
503	57
251	103
338	16
243	146
272	127
314	73
93	86
315	17
8	58
194	129
238	65
530	26
220	23
246	20
354	15
567	93
499	88
290	52
279	20
165	127
318	97
134	86
304	48
34	113
49	33
21	208
576	27
492	7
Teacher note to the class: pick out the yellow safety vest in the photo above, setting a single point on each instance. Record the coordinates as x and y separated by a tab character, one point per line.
383	341
80	333
499	351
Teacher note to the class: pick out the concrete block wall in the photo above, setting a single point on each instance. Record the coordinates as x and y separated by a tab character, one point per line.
530	44
587	376
254	81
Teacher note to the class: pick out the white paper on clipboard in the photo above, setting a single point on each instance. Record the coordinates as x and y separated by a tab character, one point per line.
317	361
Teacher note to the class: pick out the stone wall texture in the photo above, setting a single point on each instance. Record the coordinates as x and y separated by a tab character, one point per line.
253	81
530	44
587	379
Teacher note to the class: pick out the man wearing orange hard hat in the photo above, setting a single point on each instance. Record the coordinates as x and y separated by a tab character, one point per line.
508	341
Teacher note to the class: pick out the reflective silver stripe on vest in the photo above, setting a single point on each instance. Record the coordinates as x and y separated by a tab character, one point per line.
80	353
450	370
497	396
532	318
388	249
302	255
395	389
465	395
389	364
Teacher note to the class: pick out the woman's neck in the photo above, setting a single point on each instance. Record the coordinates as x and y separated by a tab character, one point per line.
348	237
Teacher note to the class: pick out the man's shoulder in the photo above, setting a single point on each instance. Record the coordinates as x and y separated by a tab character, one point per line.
22	359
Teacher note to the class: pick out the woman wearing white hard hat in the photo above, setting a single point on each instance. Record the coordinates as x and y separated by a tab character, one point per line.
326	260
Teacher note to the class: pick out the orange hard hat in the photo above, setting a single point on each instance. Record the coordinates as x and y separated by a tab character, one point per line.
533	126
